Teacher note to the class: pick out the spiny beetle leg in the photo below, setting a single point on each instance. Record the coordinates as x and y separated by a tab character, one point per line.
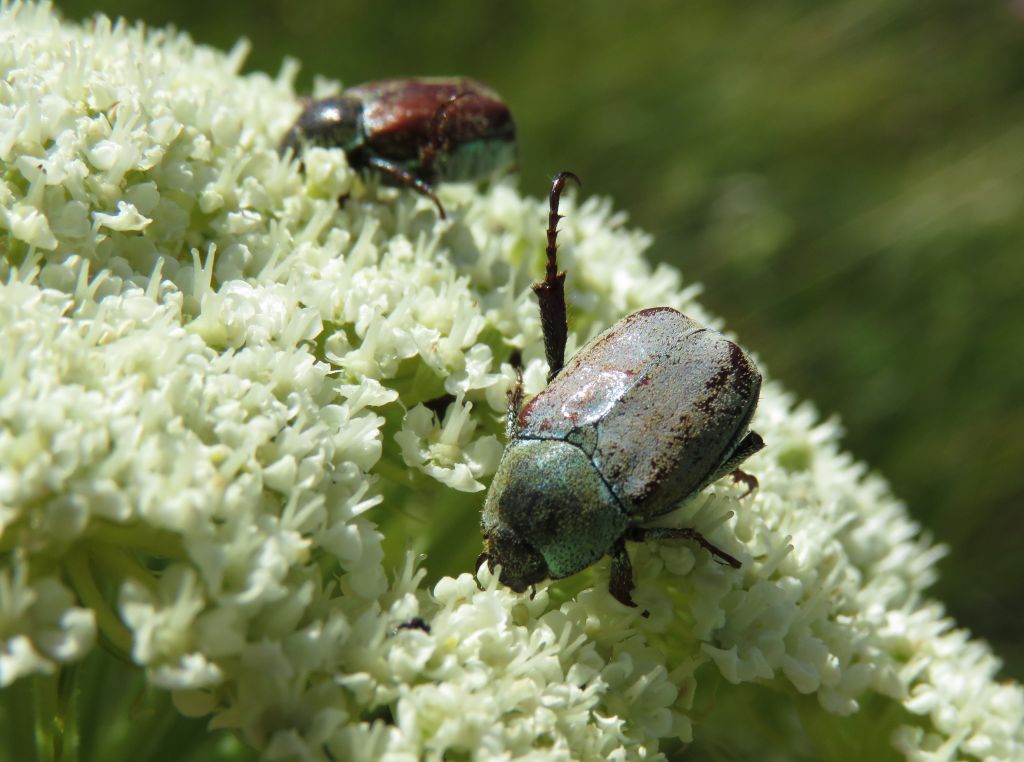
403	177
551	291
643	534
620	580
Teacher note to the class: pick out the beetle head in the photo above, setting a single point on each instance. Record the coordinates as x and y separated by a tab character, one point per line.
521	565
330	122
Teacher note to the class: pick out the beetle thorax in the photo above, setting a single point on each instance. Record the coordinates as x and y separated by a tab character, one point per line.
548	495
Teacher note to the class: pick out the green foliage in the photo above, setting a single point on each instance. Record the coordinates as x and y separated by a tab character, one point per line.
118	717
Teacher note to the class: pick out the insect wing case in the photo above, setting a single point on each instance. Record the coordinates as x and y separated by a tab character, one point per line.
658	402
399	115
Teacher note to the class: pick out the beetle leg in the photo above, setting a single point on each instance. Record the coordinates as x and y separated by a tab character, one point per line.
439	405
551	291
749	479
643	534
620	580
291	141
439	142
406	179
515	403
483	558
750	444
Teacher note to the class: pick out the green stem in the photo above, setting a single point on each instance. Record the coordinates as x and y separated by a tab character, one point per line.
82	580
120	565
8	540
67	714
156	543
395	473
44	711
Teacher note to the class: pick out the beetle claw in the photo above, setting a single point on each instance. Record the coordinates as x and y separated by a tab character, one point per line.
749	479
620	580
483	558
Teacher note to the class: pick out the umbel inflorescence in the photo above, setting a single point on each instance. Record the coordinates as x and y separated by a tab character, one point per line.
213	421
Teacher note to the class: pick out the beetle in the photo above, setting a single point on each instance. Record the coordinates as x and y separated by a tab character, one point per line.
645	415
414	133
416	623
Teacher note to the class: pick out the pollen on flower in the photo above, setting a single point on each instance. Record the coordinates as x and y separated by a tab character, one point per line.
221	388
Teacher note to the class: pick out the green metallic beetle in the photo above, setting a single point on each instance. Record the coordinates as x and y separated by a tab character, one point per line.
646	414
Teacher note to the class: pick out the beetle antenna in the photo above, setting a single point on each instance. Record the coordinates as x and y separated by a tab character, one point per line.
551	291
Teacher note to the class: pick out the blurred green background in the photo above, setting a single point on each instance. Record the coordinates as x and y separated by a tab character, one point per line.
846	178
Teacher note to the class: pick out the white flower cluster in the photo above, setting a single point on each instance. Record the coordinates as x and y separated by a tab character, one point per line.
214	396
